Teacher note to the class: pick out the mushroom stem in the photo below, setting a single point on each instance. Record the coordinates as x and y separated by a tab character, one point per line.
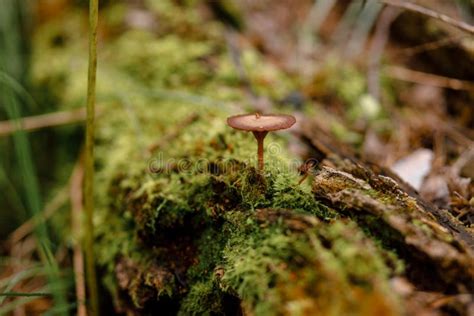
260	136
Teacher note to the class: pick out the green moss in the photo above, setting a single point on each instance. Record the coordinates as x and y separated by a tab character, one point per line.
387	199
204	298
260	268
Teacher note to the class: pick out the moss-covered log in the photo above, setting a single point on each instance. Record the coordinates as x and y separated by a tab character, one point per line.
226	239
187	225
198	230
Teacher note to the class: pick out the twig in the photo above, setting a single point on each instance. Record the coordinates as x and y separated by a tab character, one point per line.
431	13
410	51
409	75
28	226
24	247
41	121
89	161
75	192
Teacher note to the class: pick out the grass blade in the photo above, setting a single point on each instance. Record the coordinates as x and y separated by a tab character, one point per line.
89	160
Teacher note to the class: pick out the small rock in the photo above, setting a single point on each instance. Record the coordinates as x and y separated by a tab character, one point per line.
414	167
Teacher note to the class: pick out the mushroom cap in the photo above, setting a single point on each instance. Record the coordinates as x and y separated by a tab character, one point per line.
260	122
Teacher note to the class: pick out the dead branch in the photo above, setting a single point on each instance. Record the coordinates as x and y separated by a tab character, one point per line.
27	227
409	75
41	121
410	51
430	13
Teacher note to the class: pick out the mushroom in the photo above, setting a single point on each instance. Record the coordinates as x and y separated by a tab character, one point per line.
260	125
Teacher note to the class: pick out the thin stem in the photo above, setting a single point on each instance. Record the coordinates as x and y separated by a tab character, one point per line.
424	78
260	136
260	153
89	160
32	123
431	13
76	197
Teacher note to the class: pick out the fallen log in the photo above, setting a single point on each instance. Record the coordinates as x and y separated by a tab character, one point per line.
209	233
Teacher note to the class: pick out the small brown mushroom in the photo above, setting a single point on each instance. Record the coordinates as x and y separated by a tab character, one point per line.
260	125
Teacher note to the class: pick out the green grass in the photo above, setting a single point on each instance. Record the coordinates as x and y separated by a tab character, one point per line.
89	162
13	65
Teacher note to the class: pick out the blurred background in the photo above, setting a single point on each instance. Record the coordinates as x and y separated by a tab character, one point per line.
394	85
